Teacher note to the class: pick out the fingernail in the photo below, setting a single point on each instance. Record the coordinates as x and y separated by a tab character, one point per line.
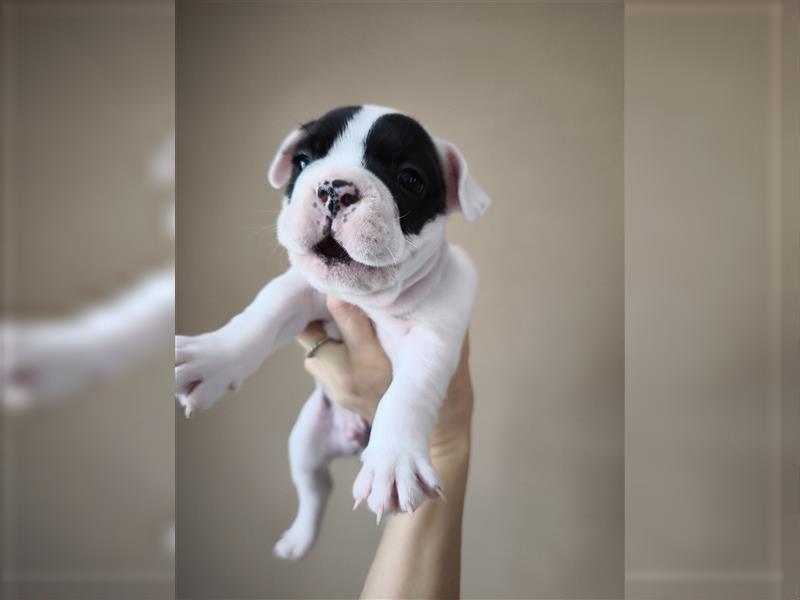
378	517
440	493
357	503
188	412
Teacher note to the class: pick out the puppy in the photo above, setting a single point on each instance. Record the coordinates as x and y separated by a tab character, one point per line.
368	191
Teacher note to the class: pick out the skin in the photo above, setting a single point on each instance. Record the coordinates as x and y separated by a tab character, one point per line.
419	555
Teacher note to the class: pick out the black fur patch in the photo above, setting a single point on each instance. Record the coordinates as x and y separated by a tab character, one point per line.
397	143
321	134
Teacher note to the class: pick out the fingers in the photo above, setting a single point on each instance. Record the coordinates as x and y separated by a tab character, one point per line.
328	355
312	334
330	366
354	373
354	325
319	369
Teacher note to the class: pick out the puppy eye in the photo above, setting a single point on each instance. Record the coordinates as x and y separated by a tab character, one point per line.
411	181
301	161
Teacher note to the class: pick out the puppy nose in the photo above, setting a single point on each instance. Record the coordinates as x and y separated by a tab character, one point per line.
337	194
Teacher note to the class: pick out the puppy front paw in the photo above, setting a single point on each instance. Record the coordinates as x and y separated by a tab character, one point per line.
206	368
395	479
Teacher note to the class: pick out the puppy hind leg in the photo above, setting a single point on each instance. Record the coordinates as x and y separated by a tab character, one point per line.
309	457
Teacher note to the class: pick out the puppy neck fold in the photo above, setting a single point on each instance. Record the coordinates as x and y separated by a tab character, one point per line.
410	289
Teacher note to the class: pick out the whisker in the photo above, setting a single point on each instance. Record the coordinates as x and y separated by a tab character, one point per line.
260	228
394	258
262	231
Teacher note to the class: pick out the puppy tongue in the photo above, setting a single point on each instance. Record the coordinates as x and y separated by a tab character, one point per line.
330	247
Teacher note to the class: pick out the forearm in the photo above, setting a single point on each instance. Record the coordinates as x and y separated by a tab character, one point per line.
116	334
419	556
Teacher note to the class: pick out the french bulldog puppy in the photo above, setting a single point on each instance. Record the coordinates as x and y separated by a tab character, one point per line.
367	194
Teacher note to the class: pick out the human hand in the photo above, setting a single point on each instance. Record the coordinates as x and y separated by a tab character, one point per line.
357	372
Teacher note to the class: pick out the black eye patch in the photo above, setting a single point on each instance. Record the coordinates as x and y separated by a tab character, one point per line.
320	137
403	156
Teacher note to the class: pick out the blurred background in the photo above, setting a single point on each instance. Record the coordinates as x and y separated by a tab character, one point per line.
87	244
711	300
635	342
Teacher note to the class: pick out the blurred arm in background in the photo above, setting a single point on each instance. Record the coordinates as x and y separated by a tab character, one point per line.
51	359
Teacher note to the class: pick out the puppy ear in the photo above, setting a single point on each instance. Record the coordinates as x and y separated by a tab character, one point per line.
462	192
281	168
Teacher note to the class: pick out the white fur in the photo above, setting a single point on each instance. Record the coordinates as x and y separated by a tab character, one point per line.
348	150
50	360
420	306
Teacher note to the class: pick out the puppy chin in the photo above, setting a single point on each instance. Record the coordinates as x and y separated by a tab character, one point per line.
351	276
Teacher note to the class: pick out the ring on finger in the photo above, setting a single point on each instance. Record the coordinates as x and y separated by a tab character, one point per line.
316	345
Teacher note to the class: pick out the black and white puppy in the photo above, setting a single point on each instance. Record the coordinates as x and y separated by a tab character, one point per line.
368	191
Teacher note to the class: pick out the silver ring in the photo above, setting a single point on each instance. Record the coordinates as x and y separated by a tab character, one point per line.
316	345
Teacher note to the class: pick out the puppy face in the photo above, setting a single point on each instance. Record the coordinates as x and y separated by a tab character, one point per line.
367	190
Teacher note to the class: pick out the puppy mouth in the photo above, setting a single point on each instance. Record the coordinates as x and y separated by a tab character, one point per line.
331	251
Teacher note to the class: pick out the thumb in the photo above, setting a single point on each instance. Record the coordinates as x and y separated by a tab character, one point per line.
354	325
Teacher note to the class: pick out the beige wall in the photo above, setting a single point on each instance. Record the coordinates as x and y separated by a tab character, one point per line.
88	482
711	262
532	93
